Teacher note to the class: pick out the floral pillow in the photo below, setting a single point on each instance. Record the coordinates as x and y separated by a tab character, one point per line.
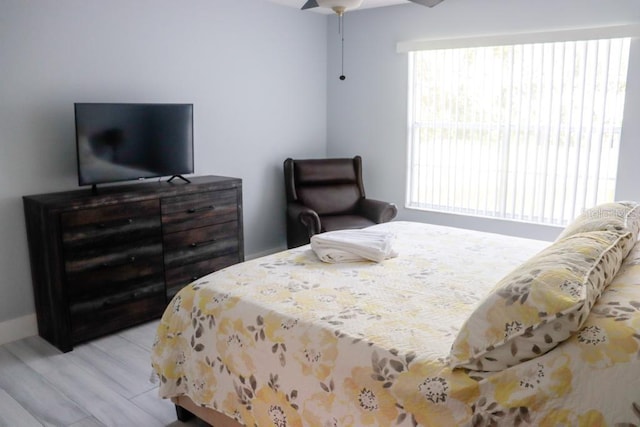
541	303
621	217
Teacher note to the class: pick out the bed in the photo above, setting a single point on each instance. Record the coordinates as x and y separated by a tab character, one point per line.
287	340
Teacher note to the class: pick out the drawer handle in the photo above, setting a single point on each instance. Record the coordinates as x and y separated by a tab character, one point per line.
127	221
127	261
120	299
205	243
204	208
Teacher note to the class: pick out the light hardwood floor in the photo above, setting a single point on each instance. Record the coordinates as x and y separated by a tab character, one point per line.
105	382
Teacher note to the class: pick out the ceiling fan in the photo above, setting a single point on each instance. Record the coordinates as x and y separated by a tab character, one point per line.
341	6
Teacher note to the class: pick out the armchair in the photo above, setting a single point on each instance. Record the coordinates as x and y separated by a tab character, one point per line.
326	195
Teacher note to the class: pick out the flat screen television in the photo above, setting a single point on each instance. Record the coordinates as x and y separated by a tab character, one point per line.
123	142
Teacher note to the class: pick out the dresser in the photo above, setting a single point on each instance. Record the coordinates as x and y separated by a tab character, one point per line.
106	261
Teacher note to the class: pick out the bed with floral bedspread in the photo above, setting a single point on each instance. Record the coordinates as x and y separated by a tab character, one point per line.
287	340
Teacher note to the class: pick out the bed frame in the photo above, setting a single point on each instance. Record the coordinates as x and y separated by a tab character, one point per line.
187	409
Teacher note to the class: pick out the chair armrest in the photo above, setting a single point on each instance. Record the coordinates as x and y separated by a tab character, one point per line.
377	211
308	217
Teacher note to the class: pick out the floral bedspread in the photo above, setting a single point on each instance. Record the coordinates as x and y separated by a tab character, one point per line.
287	340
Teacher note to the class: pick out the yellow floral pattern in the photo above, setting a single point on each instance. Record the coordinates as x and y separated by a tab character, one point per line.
540	303
287	340
618	217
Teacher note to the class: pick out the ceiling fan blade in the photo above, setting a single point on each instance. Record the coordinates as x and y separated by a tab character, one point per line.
428	3
310	4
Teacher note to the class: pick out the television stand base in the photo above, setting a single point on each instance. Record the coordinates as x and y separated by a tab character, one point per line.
179	176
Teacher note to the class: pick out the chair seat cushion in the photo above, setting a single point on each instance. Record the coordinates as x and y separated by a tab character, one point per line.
343	222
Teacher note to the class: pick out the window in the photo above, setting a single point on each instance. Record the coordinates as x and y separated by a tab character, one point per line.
526	131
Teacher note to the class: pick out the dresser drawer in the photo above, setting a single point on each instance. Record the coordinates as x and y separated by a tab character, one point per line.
99	271
105	280
199	244
196	210
178	277
97	317
129	253
109	225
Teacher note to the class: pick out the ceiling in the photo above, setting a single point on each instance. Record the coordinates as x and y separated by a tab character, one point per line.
366	4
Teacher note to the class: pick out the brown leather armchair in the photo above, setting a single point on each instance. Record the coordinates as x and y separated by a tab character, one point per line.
328	194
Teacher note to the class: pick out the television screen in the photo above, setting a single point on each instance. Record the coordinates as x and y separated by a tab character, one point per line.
121	142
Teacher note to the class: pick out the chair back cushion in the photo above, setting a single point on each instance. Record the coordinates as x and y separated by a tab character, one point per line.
328	186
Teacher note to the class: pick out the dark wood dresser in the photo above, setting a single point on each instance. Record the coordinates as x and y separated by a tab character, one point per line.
103	262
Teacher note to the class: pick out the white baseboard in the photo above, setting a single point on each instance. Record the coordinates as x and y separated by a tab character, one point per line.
18	328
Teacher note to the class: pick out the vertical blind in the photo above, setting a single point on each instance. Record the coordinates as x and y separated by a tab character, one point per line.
528	132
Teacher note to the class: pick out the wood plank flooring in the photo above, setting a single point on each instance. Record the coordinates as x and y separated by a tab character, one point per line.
105	382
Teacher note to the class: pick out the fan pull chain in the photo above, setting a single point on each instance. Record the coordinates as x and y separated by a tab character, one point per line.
341	31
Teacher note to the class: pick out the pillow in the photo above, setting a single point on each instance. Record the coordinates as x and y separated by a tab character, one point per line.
539	304
620	217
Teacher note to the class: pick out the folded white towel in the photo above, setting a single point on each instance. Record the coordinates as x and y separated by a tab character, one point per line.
353	245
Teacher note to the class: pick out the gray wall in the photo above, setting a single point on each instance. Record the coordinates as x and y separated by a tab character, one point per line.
367	113
255	72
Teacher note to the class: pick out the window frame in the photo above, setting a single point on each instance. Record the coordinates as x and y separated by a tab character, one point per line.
487	41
